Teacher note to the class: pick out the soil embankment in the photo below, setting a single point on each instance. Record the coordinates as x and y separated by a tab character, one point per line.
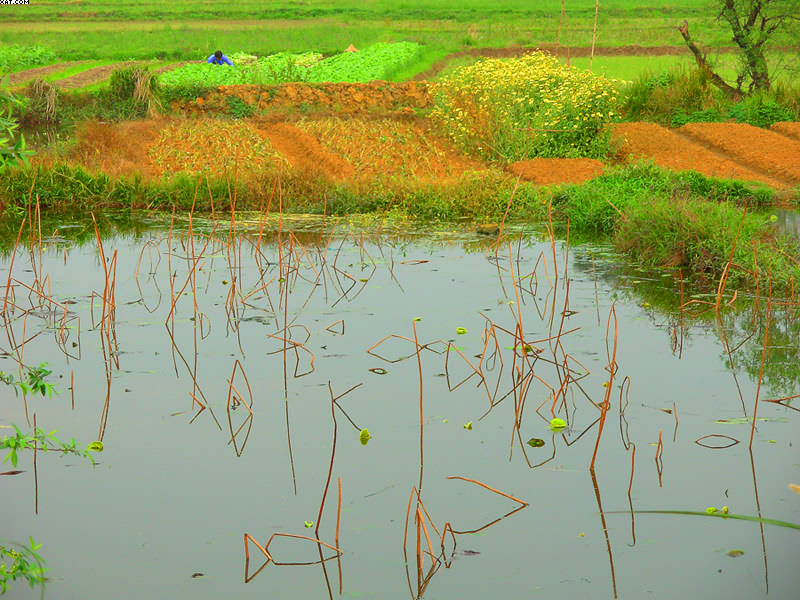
350	131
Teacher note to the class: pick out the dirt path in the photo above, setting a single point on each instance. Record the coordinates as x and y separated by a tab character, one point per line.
166	68
91	76
29	74
304	152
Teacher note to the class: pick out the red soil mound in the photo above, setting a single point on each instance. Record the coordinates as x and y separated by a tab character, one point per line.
557	170
788	129
672	151
348	98
760	149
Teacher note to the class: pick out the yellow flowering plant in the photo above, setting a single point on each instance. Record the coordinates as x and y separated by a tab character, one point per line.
526	107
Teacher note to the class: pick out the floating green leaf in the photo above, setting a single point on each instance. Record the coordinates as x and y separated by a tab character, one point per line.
378	371
557	424
535	442
96	447
711	510
736	553
364	437
468	425
308	524
461	330
418	319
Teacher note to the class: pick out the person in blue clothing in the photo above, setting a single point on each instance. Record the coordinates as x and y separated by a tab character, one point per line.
218	58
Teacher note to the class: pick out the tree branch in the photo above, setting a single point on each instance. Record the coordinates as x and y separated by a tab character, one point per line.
702	63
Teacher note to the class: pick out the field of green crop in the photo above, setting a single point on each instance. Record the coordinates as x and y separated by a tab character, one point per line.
15	57
379	61
147	29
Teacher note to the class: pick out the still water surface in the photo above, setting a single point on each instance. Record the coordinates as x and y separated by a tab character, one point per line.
164	512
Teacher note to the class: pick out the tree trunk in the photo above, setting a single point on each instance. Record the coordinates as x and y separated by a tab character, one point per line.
702	63
750	39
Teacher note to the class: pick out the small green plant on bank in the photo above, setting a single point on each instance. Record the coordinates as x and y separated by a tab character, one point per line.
21	562
238	108
39	440
12	143
33	383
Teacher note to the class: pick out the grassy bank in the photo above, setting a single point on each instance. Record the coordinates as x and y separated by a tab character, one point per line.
660	218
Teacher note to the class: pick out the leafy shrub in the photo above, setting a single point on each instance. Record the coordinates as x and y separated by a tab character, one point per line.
238	108
513	109
16	57
761	111
710	115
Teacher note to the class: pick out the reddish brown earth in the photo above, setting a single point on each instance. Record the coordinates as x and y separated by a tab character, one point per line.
761	150
30	74
546	171
91	76
788	129
675	150
339	98
368	131
304	152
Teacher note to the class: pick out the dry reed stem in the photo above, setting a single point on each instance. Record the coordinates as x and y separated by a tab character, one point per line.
763	358
612	368
658	459
11	267
491	489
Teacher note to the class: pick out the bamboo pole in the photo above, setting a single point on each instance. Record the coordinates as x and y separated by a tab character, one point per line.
594	32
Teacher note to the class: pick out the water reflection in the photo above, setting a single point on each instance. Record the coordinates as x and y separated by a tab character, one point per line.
210	350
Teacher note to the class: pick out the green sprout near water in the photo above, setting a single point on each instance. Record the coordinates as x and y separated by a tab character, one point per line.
33	383
25	563
39	440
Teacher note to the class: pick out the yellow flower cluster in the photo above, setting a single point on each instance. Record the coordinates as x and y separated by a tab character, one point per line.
522	107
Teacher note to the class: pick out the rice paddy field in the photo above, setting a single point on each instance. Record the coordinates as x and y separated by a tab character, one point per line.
428	318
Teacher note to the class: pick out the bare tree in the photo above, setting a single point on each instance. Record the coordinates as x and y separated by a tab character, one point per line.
754	25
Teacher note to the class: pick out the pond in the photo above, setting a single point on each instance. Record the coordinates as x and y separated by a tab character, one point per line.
390	392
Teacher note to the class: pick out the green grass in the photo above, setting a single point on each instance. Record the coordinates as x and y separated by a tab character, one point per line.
783	65
192	29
